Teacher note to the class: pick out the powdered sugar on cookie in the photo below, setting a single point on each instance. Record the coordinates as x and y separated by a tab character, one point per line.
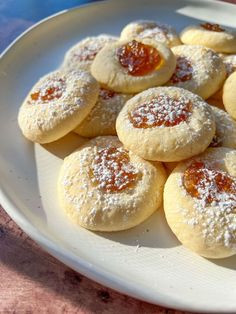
83	53
112	171
183	71
214	194
162	111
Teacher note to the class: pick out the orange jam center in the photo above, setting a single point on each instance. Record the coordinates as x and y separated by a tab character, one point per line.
112	170
138	58
106	93
206	183
51	90
212	27
161	111
183	71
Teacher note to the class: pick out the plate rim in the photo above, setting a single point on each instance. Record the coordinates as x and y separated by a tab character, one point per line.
75	262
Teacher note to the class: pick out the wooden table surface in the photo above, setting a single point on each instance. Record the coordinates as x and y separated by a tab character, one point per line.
32	281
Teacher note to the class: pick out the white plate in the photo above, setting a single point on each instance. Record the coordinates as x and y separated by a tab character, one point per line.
160	271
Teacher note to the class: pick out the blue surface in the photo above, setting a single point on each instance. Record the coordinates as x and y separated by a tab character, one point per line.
35	10
17	15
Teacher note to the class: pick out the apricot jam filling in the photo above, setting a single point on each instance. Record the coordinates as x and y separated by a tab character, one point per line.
112	171
139	59
162	111
183	71
51	90
106	93
207	183
212	27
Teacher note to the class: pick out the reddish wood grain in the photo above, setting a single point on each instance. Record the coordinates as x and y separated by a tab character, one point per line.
32	281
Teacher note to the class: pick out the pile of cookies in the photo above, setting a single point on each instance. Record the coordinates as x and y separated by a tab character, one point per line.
159	110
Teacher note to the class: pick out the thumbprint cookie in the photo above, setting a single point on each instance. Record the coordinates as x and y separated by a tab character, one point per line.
219	38
198	69
133	66
225	129
229	95
103	187
102	118
166	124
150	29
81	55
203	214
57	103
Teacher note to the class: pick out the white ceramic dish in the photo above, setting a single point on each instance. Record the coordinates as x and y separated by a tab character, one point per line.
147	262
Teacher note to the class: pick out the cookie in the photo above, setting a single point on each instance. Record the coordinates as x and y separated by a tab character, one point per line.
57	103
143	29
103	187
166	124
203	215
230	63
229	95
225	130
230	66
133	66
198	69
102	118
213	36
81	55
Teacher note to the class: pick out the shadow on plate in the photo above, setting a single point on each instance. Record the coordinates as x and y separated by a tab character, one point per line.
152	233
66	145
20	180
229	262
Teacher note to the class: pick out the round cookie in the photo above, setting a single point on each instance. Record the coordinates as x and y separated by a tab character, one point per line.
56	104
102	118
81	55
142	29
133	66
166	124
103	187
229	95
203	214
214	36
225	129
198	69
